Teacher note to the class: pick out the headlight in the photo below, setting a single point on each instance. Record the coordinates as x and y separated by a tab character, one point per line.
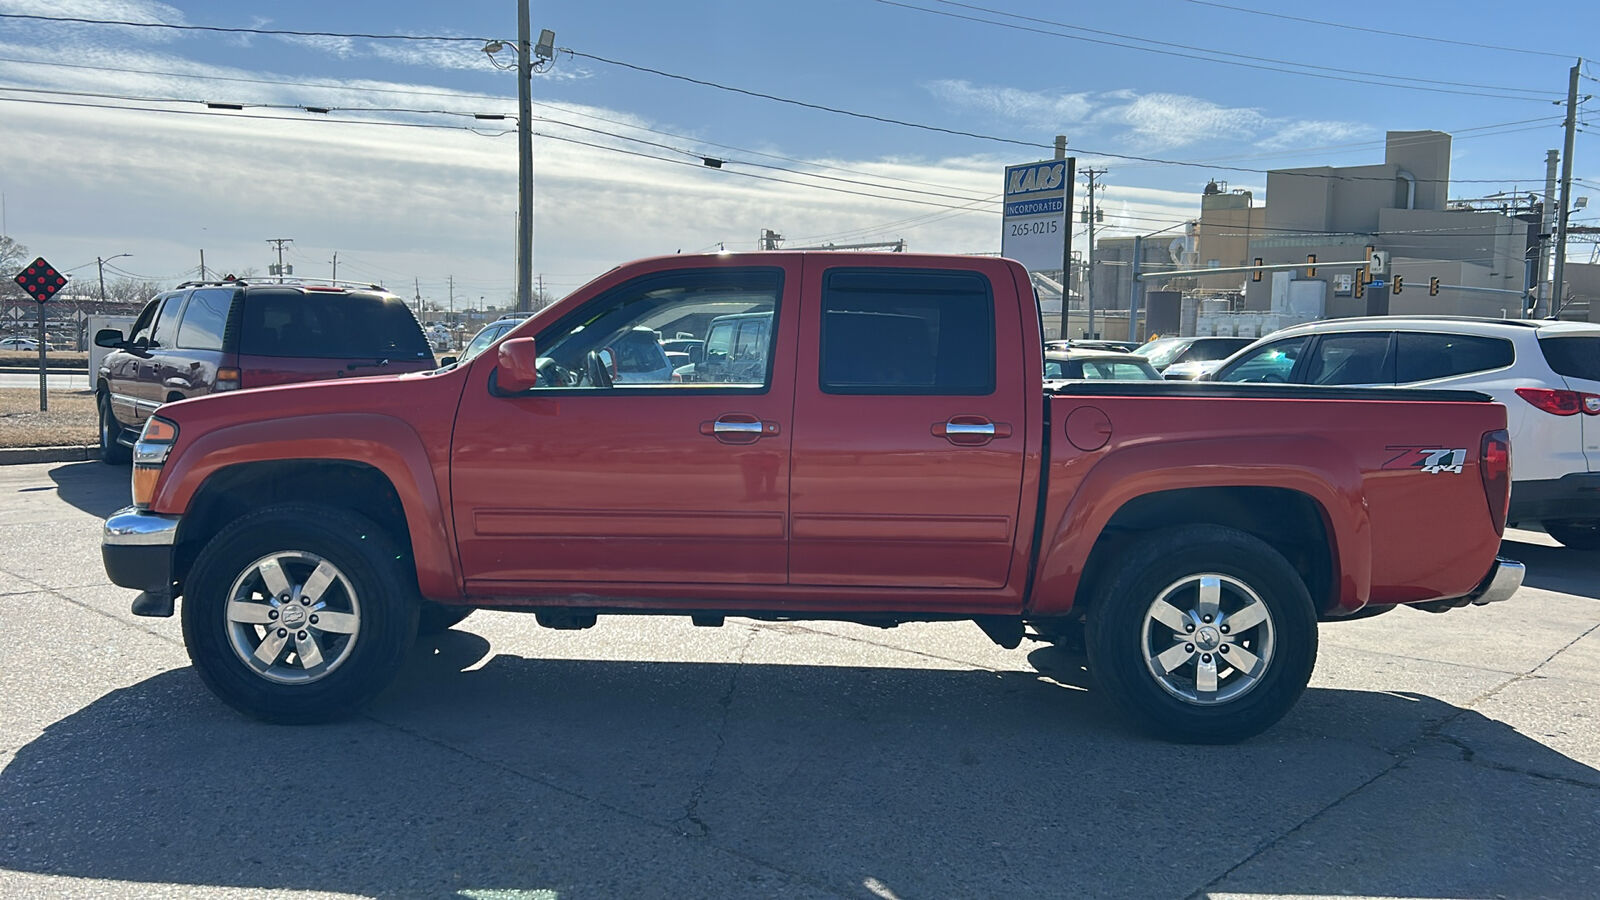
149	455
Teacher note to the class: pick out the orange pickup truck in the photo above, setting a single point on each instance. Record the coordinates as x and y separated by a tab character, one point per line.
861	438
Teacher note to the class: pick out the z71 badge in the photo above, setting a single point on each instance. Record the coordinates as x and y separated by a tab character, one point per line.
1432	460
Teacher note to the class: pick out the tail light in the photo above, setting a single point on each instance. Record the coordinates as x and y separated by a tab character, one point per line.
1561	403
227	379
1494	466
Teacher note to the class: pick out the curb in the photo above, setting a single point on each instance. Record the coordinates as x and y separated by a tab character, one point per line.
11	456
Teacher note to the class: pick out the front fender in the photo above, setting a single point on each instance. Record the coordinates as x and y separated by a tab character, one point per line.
387	444
1308	465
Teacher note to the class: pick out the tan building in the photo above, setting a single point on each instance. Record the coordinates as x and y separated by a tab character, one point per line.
1229	220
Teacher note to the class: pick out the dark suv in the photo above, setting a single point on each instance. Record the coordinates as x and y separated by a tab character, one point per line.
223	336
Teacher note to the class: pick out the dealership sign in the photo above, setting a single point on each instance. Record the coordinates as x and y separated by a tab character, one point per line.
1034	228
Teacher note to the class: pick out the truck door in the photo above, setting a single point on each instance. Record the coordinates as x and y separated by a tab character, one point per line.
908	427
676	482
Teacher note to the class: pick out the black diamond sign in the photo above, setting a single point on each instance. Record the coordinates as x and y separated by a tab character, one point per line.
41	280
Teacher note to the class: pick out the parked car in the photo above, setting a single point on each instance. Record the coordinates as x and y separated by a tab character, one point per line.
734	351
1098	365
490	333
692	350
1090	344
1163	352
29	345
1547	374
898	457
1193	370
226	335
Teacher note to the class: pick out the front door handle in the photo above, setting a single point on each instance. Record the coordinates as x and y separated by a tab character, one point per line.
739	428
970	431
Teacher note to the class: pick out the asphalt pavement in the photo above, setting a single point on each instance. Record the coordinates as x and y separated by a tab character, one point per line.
1453	755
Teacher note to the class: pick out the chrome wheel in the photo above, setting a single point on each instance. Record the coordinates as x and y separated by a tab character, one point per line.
1208	639
292	617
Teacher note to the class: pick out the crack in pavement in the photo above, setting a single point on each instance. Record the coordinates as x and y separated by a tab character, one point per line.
691	811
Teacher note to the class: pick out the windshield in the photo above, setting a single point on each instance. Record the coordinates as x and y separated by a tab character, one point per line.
484	338
1162	352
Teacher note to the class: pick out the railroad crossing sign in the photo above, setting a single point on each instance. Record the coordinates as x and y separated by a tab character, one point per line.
41	280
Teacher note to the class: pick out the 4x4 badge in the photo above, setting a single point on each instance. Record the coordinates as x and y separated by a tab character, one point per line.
1432	460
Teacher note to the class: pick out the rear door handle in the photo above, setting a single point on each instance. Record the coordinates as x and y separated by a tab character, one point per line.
739	428
970	431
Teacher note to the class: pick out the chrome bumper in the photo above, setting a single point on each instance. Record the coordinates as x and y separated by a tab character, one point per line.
136	547
1504	577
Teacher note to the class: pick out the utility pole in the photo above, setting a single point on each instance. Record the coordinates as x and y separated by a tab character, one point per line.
202	264
280	242
524	160
1542	302
539	297
99	264
1070	179
1088	280
416	285
1558	288
335	267
769	240
452	316
1133	288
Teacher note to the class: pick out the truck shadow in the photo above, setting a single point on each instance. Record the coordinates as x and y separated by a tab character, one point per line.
93	486
478	774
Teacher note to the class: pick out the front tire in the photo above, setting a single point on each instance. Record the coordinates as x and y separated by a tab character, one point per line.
1576	534
111	452
1202	634
298	614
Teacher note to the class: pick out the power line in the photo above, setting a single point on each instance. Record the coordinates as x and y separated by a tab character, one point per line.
77	20
286	106
1005	140
1262	63
243	115
1415	37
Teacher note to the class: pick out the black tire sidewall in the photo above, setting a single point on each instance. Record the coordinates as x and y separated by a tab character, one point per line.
110	429
1116	622
362	552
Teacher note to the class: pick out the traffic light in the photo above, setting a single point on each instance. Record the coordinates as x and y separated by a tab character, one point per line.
1399	281
1256	275
1311	270
1358	285
1433	286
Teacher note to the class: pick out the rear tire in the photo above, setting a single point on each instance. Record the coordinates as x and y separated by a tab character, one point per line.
1202	634
1577	534
298	614
111	452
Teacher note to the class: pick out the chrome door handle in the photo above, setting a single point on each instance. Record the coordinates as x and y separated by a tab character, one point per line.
954	429
736	428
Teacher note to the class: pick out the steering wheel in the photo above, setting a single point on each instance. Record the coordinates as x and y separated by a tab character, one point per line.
595	368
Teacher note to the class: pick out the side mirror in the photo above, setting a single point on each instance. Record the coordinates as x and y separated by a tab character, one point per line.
447	361
108	337
519	366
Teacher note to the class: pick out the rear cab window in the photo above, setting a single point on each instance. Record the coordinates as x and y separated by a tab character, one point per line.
899	332
356	325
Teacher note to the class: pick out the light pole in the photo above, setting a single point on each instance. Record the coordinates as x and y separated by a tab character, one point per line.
100	264
526	52
1136	287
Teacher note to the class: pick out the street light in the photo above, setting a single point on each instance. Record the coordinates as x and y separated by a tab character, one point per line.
100	264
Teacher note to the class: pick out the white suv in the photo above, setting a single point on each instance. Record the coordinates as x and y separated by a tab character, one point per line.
1547	374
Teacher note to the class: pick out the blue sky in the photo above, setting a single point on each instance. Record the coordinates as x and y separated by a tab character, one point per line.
415	205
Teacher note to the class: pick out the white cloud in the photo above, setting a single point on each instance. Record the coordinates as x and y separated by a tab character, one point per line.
1165	121
1313	133
1043	107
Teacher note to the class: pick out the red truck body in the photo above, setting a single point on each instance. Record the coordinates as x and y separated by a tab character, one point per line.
1007	506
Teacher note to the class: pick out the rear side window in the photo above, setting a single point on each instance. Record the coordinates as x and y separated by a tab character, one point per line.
330	326
1573	357
1424	357
907	332
1351	359
205	319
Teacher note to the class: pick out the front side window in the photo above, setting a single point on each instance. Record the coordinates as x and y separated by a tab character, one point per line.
906	331
614	340
1424	357
205	319
1268	364
142	325
1351	359
165	333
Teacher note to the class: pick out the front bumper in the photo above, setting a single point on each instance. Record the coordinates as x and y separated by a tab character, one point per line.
1504	577
1575	495
136	546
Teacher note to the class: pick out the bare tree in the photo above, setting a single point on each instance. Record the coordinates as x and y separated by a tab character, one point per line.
13	256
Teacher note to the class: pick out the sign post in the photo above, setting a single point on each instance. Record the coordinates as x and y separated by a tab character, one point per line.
1034	227
41	281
